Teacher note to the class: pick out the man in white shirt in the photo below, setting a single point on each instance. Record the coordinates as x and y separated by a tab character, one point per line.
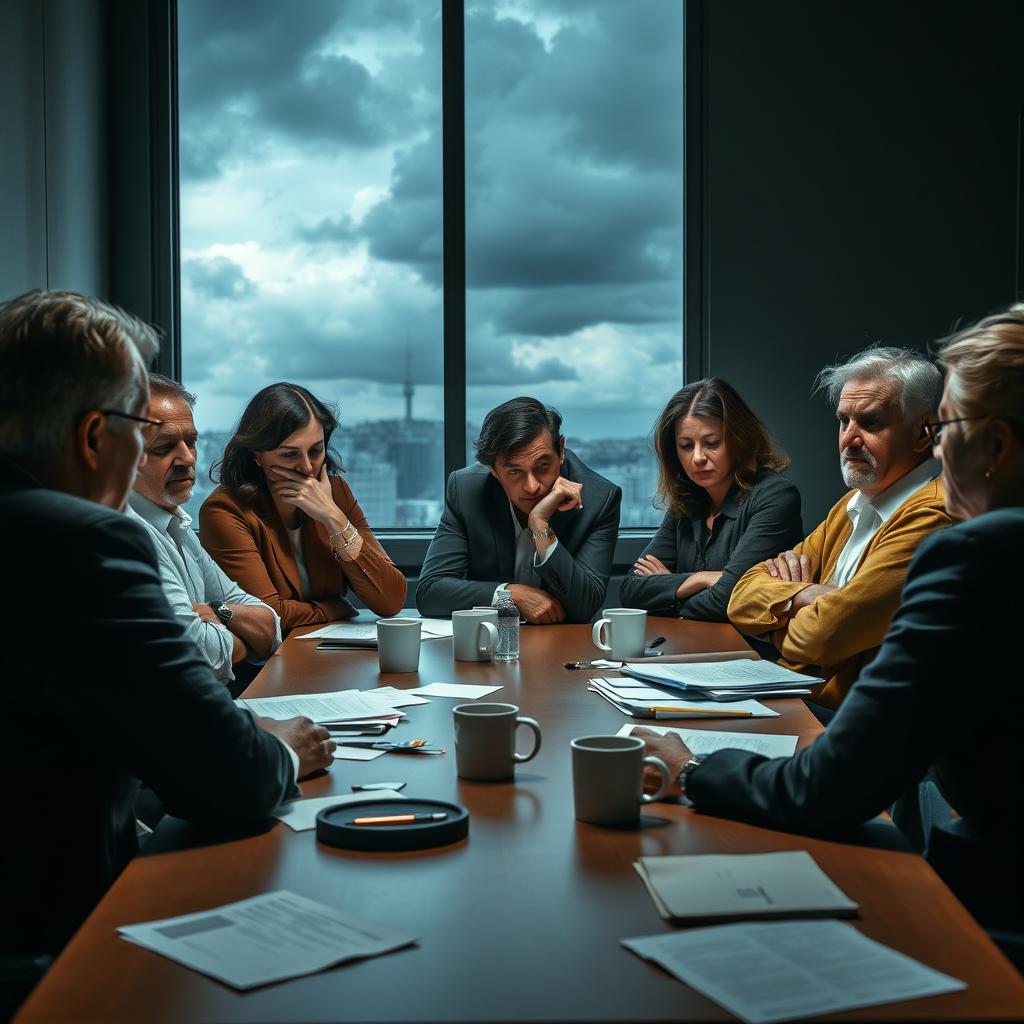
826	604
227	624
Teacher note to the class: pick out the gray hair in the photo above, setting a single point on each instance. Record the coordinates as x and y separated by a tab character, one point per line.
63	354
161	385
919	380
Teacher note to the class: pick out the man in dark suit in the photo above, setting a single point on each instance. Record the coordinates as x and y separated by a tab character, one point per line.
103	687
519	520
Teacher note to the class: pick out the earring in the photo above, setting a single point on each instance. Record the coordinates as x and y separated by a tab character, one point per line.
990	472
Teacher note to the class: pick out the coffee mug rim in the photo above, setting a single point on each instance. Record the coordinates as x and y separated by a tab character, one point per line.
578	743
474	708
399	620
472	611
635	611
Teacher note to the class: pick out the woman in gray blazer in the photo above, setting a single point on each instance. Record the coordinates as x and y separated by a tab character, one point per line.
728	506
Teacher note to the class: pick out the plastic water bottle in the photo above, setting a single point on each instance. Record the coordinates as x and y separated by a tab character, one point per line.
508	628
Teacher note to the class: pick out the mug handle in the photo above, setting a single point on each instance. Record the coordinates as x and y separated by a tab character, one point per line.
490	645
666	780
535	727
595	634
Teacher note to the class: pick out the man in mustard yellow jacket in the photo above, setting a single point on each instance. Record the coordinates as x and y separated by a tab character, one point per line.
827	603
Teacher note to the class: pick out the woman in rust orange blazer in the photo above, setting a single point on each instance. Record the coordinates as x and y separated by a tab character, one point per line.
284	525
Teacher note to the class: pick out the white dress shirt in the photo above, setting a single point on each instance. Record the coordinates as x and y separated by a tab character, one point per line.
526	563
190	576
868	516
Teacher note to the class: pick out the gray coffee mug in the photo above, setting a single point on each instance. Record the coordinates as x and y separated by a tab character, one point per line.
607	778
485	741
474	634
398	644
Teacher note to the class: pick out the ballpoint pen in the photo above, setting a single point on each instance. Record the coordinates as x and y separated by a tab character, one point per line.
400	819
656	642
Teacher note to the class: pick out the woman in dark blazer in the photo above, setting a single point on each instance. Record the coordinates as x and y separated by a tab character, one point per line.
285	526
944	691
728	506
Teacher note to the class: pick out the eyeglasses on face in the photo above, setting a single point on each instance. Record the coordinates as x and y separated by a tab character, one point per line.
934	431
128	416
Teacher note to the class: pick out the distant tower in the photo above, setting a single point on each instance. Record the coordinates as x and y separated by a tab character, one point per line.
408	387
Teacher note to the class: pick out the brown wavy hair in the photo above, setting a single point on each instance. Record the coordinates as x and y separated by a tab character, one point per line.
750	446
272	415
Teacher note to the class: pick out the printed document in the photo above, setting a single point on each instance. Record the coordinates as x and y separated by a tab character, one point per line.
265	939
366	632
341	706
702	742
737	886
674	705
720	675
460	691
785	970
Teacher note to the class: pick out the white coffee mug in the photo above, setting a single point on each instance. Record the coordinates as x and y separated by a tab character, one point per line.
621	632
607	778
474	634
398	644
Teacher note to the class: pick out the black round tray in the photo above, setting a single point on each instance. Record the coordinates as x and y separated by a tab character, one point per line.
334	825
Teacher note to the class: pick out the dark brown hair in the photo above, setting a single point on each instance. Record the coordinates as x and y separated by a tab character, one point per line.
272	415
747	440
512	425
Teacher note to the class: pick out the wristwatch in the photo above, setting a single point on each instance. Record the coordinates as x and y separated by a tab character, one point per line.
687	768
225	614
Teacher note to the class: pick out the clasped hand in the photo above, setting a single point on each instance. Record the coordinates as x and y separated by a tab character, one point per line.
794	568
312	494
563	496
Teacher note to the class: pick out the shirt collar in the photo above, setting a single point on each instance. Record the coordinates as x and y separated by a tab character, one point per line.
159	517
895	494
519	529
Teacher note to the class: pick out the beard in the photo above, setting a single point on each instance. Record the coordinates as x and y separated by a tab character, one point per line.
856	475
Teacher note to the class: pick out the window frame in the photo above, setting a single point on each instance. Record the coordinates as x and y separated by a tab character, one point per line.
159	62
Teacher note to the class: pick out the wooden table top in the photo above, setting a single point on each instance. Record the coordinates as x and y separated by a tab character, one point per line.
520	922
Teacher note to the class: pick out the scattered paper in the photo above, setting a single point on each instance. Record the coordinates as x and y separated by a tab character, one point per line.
394	697
340	706
264	939
678	705
702	742
460	691
356	753
435	628
734	674
734	887
300	815
357	632
782	971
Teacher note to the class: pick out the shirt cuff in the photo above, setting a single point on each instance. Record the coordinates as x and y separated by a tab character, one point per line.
547	555
293	756
499	587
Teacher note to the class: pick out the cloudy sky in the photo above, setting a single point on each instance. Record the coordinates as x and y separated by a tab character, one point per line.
311	204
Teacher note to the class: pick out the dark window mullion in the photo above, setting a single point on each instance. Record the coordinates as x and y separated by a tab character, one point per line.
453	173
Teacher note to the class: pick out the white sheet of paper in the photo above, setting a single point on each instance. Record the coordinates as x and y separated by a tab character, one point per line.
356	753
703	741
394	697
460	691
343	631
722	675
267	938
433	628
300	815
766	972
734	710
341	706
742	886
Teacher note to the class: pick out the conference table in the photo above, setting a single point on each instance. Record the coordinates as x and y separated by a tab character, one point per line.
521	921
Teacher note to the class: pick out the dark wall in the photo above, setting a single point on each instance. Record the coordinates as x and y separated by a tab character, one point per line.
862	185
53	153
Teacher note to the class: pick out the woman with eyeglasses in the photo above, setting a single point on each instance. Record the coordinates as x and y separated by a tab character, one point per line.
284	524
944	692
728	506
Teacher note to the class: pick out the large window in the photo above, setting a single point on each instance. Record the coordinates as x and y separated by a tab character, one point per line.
311	225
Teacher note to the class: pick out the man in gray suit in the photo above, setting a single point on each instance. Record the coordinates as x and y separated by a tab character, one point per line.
518	520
